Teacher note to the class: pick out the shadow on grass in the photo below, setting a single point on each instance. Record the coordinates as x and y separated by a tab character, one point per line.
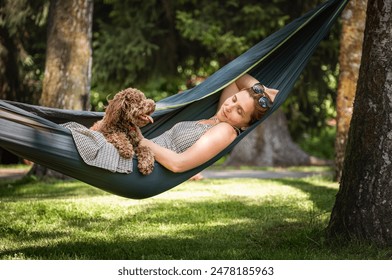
232	227
29	188
235	230
323	197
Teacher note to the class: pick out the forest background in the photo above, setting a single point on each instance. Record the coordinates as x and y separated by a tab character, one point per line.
165	47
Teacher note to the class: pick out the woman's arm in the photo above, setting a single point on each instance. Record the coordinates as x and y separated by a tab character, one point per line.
209	145
245	81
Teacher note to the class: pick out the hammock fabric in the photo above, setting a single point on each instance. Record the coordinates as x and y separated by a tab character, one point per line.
32	132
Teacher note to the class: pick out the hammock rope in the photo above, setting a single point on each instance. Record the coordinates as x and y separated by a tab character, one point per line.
32	132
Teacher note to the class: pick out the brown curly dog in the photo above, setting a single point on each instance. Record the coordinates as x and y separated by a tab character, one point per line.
125	113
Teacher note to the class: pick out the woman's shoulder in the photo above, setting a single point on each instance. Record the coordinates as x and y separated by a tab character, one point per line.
223	129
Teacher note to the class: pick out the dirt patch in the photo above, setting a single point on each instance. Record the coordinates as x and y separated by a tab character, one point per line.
10	173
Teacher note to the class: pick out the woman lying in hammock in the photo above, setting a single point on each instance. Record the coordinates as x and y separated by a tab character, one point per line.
192	143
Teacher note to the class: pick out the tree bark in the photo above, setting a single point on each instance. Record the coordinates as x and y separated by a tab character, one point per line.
67	76
363	206
270	144
69	55
351	40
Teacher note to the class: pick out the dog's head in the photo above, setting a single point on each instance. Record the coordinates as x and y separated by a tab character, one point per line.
131	106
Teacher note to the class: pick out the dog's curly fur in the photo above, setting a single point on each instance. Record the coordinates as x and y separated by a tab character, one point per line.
125	113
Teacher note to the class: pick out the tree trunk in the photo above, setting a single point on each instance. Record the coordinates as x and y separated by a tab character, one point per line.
353	25
68	61
270	144
363	206
69	55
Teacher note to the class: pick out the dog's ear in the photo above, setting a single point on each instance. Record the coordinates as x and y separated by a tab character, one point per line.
114	110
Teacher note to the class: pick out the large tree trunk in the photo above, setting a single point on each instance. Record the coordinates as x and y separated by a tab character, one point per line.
270	144
68	61
68	58
353	25
363	207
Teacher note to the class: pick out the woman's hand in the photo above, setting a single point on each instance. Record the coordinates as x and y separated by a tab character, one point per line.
143	141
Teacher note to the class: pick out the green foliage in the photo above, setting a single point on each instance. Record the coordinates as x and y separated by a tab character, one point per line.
313	101
227	29
163	47
136	42
123	43
210	35
319	142
22	48
237	219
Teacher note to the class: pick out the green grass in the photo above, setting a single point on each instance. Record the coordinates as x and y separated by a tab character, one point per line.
15	166
209	219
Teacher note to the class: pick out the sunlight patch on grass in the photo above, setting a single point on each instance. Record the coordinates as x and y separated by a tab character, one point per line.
15	166
209	219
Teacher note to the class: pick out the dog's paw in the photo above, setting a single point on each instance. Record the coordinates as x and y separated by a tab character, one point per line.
145	159
126	153
145	168
145	164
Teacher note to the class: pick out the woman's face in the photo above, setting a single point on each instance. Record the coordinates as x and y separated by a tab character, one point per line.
237	109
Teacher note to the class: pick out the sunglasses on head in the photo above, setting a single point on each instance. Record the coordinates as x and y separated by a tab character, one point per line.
264	102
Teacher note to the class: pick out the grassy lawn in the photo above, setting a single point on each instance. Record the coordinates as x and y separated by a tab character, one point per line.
208	219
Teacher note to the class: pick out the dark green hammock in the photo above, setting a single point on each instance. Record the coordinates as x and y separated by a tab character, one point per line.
32	132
